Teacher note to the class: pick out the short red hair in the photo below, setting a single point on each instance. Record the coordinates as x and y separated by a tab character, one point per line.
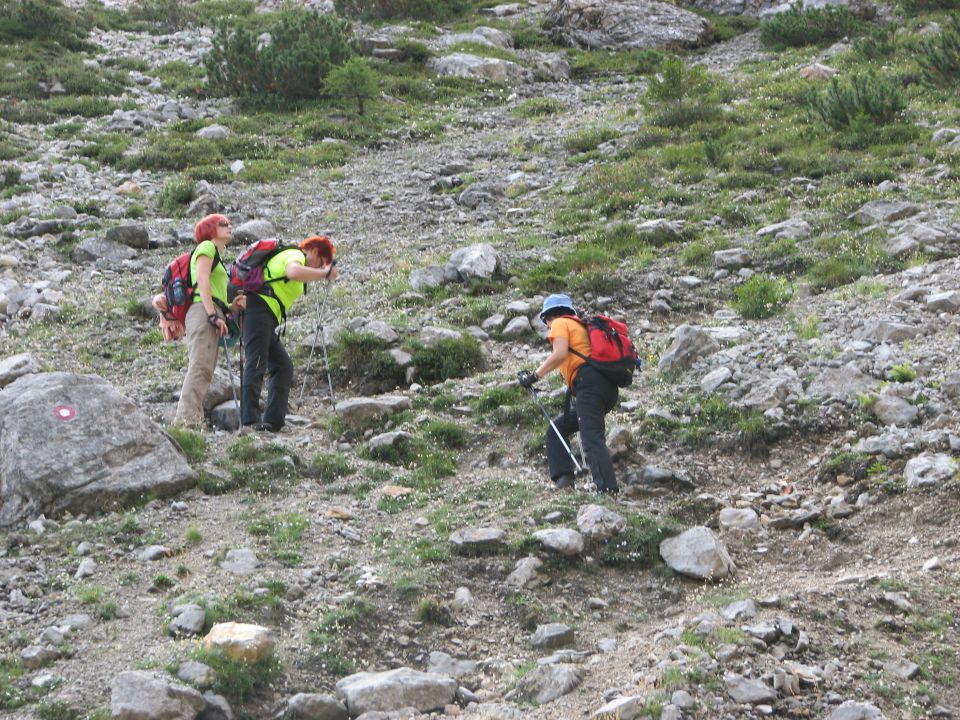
322	244
206	229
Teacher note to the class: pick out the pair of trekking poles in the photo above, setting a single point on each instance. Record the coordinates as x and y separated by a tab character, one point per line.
321	308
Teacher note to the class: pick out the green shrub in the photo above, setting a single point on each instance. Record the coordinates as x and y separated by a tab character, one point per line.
865	97
413	51
354	80
432	10
193	444
175	195
448	358
330	466
903	373
304	47
236	679
362	359
812	26
681	95
879	44
447	434
761	297
168	15
539	107
915	7
43	20
588	139
939	56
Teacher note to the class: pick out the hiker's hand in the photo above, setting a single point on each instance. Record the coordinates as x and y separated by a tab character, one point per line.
526	378
239	303
218	323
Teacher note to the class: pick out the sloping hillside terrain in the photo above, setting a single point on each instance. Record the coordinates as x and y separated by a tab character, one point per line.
767	195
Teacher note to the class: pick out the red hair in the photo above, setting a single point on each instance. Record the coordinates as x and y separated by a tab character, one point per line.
322	244
206	229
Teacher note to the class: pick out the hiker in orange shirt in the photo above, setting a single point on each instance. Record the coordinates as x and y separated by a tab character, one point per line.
595	397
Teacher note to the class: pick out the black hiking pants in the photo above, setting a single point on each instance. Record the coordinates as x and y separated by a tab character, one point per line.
264	354
596	396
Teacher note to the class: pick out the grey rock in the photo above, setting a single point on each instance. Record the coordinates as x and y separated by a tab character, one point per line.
747	691
37	656
394	689
481	68
525	574
213	132
740	518
714	379
431	336
15	366
242	561
625	707
884	331
316	706
552	635
354	412
427	278
944	302
102	252
196	674
739	609
443	664
893	410
215	707
732	258
851	710
599	523
189	621
392	439
690	342
561	540
476	261
252	230
549	682
845	382
903	669
114	453
792	229
87	568
132	235
697	553
477	538
929	470
517	327
884	211
137	695
624	24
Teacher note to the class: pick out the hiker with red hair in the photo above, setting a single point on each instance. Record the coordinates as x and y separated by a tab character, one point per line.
284	277
206	320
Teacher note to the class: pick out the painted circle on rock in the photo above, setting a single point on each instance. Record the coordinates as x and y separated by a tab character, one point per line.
65	412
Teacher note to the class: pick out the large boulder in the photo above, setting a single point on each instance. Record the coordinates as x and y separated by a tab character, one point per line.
72	443
626	24
17	366
395	689
138	695
697	553
480	68
689	343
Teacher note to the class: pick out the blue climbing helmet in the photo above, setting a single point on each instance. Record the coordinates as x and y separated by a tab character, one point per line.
555	301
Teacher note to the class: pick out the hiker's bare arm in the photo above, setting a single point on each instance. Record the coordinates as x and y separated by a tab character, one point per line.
561	347
302	273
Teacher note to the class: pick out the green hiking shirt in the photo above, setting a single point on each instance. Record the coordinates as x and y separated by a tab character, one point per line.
286	291
218	274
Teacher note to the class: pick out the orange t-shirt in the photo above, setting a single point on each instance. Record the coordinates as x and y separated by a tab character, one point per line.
578	340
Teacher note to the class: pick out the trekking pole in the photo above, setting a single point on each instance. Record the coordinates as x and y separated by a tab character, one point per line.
321	306
233	388
579	468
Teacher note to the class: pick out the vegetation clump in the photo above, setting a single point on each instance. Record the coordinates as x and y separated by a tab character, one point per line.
761	297
681	95
939	56
800	26
864	98
304	46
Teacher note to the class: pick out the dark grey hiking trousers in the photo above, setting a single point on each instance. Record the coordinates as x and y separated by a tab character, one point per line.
263	353
595	397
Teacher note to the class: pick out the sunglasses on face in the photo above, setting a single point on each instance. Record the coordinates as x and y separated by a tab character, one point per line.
224	224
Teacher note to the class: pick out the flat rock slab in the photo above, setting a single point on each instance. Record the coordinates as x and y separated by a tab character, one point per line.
552	635
354	412
562	541
747	691
929	470
625	24
477	539
549	682
396	689
72	443
697	553
137	695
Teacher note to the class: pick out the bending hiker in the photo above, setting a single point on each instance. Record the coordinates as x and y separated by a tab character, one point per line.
595	397
284	276
205	322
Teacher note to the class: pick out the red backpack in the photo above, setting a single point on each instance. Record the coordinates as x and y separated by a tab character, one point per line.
247	271
178	286
611	351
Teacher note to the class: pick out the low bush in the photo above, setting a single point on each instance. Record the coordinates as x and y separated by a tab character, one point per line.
44	20
865	97
879	44
761	297
329	467
362	360
175	196
797	26
193	444
539	107
588	139
681	95
166	15
447	434
354	80
448	358
432	10
939	56
304	47
915	7
237	679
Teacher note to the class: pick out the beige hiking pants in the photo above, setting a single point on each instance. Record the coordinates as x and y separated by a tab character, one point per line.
202	345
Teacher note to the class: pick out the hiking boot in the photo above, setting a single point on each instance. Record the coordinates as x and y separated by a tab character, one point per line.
564	481
266	427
